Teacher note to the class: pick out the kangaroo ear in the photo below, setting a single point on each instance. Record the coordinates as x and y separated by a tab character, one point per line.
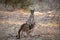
32	10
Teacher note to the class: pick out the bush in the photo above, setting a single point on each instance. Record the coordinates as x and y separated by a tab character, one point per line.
23	3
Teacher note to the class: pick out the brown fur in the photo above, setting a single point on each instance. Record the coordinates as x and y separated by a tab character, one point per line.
25	28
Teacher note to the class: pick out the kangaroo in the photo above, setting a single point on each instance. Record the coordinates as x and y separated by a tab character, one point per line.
26	27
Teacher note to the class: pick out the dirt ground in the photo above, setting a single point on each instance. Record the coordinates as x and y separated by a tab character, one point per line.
46	27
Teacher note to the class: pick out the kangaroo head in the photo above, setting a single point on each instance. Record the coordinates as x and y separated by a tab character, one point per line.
32	11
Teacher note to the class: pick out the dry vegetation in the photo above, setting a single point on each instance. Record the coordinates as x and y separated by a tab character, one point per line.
46	25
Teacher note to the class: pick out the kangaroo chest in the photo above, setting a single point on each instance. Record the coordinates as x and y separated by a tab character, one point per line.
31	20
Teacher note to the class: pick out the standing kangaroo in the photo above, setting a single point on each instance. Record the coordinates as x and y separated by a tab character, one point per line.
26	27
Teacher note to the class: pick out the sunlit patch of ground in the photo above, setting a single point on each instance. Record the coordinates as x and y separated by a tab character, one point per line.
21	22
10	22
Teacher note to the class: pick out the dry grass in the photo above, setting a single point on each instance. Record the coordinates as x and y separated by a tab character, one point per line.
10	22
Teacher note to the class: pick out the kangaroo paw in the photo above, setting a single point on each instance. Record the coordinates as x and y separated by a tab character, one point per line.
17	36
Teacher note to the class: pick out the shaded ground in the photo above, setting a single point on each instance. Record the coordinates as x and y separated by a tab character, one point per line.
46	26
